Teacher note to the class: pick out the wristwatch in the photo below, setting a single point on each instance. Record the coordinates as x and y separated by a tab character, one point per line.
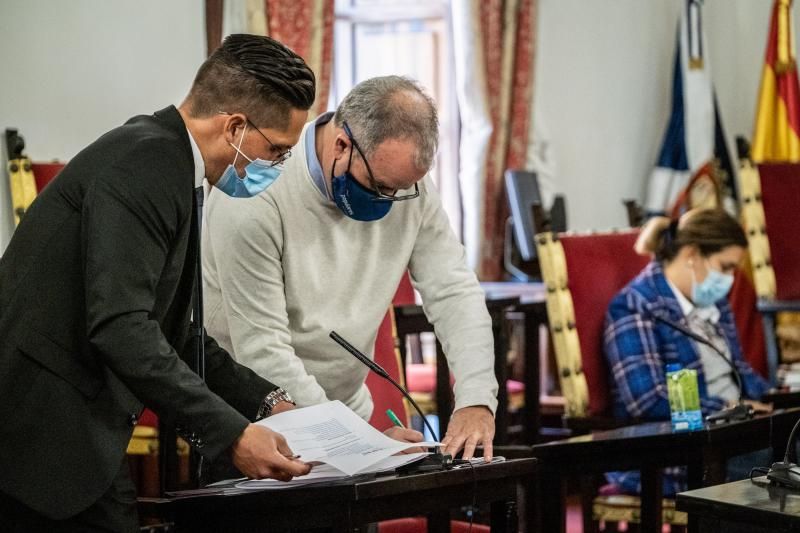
271	400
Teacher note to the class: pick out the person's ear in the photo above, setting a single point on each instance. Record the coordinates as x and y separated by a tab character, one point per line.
341	146
692	255
233	127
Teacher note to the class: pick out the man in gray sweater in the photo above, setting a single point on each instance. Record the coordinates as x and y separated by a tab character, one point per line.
324	248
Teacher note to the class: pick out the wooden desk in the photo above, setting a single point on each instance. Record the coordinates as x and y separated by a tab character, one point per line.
645	447
501	299
350	504
410	319
649	447
742	507
533	307
782	399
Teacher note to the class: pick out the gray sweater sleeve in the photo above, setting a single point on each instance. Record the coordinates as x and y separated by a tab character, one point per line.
455	304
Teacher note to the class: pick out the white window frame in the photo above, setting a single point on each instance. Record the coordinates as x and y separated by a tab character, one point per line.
348	14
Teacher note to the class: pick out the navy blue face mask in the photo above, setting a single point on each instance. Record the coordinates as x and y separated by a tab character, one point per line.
355	200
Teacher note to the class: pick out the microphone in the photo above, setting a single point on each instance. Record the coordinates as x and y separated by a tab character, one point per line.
785	473
740	411
438	460
372	365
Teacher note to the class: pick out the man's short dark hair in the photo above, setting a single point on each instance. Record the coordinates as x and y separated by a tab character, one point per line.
254	75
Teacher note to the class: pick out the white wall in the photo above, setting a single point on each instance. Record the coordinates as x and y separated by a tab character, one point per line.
72	70
603	80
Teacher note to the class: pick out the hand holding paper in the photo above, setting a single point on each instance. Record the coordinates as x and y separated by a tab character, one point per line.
261	453
335	436
406	435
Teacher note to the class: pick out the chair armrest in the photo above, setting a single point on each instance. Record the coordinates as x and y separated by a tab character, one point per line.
765	305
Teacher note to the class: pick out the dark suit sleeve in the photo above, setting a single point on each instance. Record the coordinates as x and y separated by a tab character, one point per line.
130	221
239	386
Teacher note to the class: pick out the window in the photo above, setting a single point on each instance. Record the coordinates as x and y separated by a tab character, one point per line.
410	38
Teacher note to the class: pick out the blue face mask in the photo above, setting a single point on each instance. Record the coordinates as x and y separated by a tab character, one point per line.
355	200
258	175
712	289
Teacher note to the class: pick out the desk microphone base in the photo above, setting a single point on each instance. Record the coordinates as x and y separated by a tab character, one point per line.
785	475
433	463
738	412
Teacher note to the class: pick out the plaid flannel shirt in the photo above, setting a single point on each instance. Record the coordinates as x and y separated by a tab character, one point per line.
638	348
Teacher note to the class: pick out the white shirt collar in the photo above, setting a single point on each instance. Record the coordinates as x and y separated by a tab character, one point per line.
710	313
686	306
199	165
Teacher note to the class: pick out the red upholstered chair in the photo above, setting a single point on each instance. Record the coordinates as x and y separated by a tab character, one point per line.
385	396
419	377
748	322
27	178
418	525
780	195
770	197
702	192
44	173
582	273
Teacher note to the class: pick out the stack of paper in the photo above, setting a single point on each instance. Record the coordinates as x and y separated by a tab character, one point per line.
338	442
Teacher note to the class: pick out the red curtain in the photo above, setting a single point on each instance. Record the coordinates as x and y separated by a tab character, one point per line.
495	51
305	26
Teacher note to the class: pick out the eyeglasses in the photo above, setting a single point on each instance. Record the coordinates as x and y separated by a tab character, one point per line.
282	156
373	183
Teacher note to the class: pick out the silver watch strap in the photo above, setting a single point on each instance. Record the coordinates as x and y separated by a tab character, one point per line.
271	400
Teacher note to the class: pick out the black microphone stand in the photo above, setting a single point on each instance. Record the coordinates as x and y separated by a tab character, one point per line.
436	461
786	473
740	411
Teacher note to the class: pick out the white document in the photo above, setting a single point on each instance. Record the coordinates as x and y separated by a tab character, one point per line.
323	472
333	434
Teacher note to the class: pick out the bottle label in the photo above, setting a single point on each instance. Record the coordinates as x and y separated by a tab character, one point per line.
684	400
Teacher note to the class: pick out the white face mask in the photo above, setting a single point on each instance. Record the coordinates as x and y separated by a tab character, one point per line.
258	175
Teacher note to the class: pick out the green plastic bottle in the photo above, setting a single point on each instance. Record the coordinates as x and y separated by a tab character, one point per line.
684	398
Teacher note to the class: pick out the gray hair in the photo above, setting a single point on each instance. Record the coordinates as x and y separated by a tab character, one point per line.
391	107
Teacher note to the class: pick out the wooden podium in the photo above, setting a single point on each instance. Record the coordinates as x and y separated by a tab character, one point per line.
350	504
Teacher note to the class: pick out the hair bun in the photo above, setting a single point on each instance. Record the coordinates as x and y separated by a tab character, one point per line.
655	233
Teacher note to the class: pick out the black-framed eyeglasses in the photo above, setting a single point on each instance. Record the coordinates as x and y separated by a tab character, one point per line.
373	183
282	157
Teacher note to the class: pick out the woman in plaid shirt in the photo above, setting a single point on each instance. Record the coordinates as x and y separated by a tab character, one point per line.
687	282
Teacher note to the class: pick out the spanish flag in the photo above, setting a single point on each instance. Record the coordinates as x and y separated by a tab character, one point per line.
777	132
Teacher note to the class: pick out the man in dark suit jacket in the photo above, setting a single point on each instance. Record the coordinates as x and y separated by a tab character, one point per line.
95	299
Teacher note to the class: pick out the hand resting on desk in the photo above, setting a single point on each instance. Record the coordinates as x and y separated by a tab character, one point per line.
261	453
470	427
759	407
